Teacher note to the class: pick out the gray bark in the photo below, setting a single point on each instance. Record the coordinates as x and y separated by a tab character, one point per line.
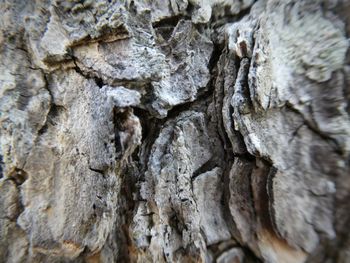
174	131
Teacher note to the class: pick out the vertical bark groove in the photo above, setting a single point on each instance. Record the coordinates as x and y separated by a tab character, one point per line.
174	131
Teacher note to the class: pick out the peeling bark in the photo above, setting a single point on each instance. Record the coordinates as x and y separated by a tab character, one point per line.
174	131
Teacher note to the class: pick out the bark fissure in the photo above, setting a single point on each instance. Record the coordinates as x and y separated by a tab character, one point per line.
174	131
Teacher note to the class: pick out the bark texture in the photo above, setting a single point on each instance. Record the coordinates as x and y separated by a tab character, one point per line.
174	131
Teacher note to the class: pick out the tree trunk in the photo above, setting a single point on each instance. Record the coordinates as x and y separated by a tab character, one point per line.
174	131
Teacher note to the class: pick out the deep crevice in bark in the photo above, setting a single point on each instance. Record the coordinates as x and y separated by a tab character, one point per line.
297	225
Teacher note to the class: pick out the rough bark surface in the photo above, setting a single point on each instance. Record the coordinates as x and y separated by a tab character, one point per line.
174	131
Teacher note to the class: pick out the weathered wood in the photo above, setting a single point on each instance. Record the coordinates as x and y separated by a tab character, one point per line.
174	131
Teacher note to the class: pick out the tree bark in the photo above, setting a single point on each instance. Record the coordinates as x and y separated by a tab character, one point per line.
174	131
